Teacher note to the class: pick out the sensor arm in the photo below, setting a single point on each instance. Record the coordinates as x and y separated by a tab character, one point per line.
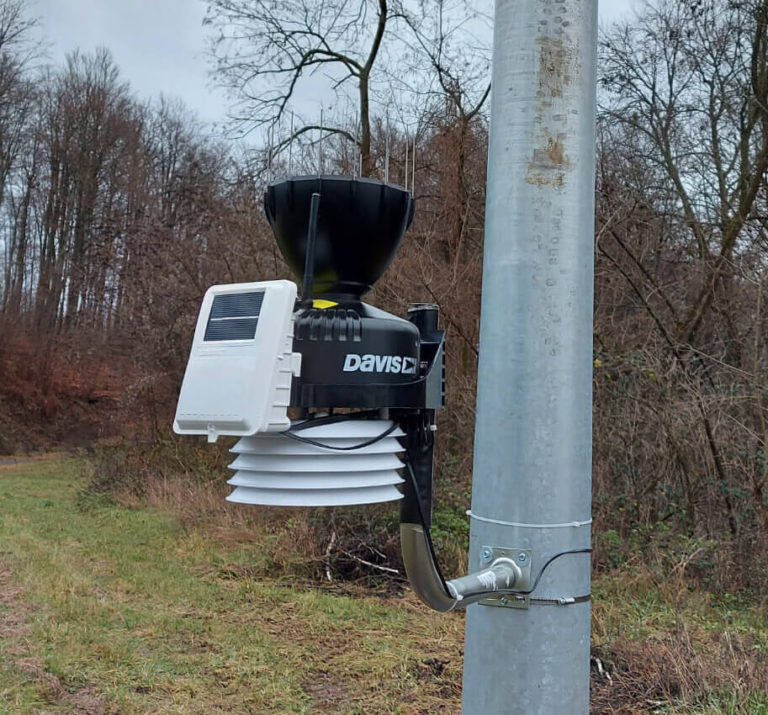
502	575
421	569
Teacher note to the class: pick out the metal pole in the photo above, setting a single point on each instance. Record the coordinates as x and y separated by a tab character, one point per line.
532	467
321	158
405	173
290	150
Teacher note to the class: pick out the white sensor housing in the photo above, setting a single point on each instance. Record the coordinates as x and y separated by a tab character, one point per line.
238	378
275	470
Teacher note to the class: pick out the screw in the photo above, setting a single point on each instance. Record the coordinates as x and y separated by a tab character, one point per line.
486	554
522	557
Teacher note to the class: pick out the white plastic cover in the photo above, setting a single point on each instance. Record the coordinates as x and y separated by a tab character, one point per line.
238	378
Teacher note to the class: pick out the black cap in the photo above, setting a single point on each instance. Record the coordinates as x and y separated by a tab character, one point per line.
361	224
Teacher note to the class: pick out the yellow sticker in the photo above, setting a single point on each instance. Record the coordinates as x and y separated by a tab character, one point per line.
323	304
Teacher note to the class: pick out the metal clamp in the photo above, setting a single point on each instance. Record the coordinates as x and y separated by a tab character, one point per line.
502	571
522	558
518	600
508	600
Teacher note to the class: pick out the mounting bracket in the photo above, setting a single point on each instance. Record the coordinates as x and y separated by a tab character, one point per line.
522	558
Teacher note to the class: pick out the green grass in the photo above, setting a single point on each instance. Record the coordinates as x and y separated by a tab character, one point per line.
127	604
126	610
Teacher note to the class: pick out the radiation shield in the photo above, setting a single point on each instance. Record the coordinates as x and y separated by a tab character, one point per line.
276	470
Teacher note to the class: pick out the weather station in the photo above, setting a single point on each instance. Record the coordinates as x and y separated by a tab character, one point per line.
367	384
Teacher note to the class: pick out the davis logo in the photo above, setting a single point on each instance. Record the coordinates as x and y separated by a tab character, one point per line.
380	363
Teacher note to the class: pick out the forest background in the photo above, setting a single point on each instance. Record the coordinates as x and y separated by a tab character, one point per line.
116	215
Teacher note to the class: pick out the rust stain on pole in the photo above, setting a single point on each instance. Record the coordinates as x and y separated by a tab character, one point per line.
549	162
553	66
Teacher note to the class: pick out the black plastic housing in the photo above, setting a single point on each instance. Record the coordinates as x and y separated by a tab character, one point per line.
355	355
361	223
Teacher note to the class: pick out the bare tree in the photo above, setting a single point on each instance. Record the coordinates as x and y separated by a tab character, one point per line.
452	38
264	49
682	217
17	49
687	84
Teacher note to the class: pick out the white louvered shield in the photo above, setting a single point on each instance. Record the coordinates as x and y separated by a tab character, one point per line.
275	470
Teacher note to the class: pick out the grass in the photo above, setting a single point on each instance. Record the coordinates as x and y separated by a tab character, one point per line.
126	606
105	608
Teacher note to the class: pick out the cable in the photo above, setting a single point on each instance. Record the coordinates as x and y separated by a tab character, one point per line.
332	419
544	567
373	440
427	531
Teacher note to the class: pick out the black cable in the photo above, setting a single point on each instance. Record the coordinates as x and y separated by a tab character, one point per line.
373	440
332	419
427	530
544	567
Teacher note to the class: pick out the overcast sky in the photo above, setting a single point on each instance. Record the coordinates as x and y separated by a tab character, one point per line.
159	45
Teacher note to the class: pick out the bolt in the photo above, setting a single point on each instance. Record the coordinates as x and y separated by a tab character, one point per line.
522	557
486	554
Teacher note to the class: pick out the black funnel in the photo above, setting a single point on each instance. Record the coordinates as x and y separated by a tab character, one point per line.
360	226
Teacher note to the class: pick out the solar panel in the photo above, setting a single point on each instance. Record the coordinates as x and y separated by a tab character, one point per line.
237	305
234	316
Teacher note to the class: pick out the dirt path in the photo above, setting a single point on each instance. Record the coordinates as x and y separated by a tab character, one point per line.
8	461
13	614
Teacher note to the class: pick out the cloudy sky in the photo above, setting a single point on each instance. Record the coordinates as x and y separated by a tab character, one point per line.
159	45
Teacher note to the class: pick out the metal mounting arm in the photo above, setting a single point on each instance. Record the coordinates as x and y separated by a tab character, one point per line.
505	571
502	575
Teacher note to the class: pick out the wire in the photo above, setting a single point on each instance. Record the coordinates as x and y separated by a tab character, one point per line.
332	419
427	531
544	568
373	440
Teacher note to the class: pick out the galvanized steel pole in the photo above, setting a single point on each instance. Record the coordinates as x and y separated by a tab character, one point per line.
532	469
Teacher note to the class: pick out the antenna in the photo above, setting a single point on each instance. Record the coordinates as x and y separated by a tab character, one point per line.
357	147
320	157
386	154
309	257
